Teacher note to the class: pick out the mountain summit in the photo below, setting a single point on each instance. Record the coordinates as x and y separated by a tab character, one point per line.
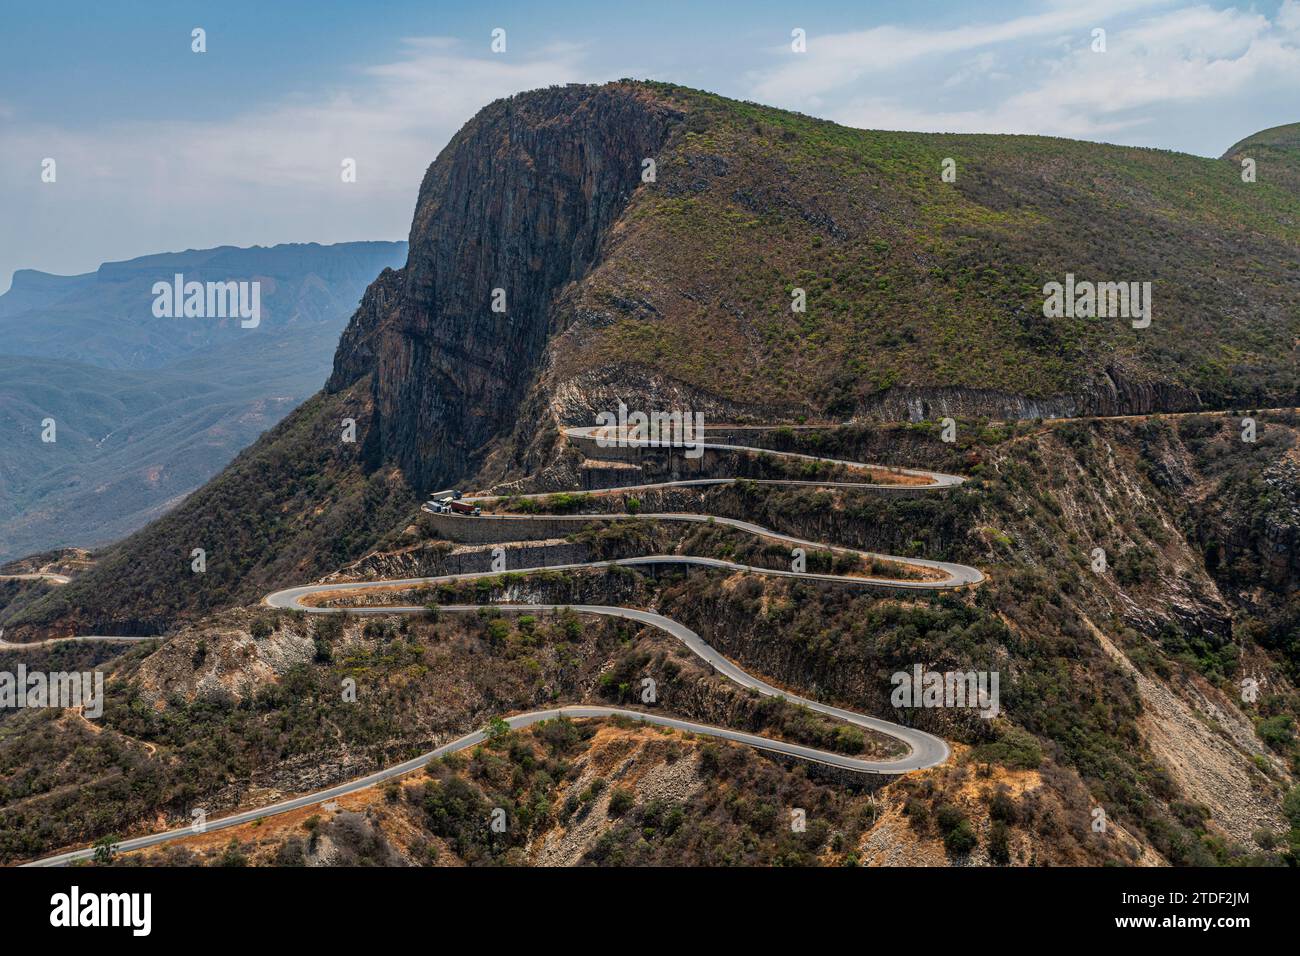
922	297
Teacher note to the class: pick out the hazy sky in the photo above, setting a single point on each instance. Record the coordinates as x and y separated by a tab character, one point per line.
159	148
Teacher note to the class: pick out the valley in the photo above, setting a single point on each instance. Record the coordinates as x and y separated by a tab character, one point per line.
148	407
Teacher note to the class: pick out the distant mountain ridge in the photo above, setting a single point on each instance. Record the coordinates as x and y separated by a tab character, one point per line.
147	409
72	317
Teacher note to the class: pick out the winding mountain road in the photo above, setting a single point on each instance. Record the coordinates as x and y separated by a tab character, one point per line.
469	740
924	750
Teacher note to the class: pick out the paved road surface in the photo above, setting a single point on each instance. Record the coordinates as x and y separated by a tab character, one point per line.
37	576
92	638
955	575
469	740
924	750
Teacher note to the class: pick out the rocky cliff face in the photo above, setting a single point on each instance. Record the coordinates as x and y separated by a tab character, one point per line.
921	301
520	201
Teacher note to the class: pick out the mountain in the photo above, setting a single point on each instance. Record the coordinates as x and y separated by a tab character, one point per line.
1123	686
147	409
1276	153
924	299
106	318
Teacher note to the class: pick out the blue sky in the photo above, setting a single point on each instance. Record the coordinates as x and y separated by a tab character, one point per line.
159	148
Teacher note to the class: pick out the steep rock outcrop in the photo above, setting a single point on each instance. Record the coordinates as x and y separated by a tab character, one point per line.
519	201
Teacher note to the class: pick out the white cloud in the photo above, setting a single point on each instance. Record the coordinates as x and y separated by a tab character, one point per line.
979	67
835	60
1047	84
1288	17
391	122
133	188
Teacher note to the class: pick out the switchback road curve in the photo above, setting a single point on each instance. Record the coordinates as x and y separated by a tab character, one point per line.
924	750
